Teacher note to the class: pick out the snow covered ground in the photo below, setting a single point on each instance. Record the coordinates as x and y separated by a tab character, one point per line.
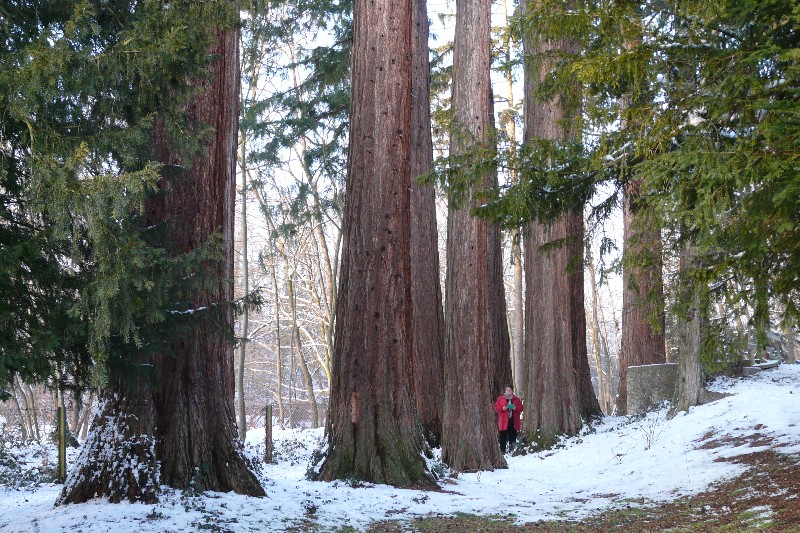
618	461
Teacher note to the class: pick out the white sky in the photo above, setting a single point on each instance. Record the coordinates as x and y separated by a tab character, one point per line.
624	459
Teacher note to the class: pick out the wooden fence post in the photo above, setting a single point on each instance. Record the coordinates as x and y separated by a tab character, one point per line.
268	430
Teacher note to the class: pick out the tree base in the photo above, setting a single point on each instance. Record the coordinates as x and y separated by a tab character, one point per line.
117	461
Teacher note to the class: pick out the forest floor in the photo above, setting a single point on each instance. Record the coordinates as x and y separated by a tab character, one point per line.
764	498
729	465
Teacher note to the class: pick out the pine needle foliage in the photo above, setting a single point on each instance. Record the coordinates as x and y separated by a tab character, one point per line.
83	84
697	99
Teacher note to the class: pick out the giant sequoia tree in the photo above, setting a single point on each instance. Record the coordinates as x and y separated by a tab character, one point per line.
476	344
559	390
426	291
167	415
373	431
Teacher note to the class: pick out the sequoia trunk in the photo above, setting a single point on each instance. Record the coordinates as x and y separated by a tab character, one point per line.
373	434
181	416
642	297
472	345
426	291
559	391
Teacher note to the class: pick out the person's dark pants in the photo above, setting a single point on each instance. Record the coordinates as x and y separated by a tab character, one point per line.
508	437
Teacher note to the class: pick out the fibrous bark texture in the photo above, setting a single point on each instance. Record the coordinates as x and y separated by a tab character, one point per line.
474	301
559	391
642	297
373	432
426	291
182	414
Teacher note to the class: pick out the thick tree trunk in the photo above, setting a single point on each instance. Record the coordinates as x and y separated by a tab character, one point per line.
790	344
374	433
559	388
642	297
552	406
118	459
426	291
473	344
183	419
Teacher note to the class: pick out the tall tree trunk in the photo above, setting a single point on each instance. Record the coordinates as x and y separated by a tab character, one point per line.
559	389
689	385
642	294
21	414
183	425
297	345
278	344
426	291
373	431
518	324
326	273
245	273
501	372
472	346
518	342
87	411
790	343
29	409
596	336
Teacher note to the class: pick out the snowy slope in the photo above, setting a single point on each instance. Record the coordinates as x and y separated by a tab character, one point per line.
619	460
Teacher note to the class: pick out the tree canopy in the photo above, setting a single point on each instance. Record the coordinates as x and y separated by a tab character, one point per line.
699	101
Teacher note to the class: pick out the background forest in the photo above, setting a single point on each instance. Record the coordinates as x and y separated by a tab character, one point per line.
631	171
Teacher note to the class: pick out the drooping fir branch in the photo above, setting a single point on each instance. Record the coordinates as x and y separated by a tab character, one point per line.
83	84
697	100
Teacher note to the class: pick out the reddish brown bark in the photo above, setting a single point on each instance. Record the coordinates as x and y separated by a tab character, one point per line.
373	433
559	391
182	415
426	291
473	344
642	297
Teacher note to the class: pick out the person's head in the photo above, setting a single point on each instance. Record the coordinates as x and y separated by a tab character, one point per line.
509	391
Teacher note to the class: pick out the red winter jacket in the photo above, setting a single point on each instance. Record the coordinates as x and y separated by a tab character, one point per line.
502	416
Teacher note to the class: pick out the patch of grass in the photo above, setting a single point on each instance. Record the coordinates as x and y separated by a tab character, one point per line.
459	523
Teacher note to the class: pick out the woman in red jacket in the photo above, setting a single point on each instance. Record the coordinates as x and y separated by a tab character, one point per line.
508	408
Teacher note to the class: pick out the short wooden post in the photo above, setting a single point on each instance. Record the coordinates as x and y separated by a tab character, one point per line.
268	431
62	443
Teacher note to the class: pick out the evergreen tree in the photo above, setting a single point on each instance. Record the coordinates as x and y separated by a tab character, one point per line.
559	391
697	104
107	122
426	290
